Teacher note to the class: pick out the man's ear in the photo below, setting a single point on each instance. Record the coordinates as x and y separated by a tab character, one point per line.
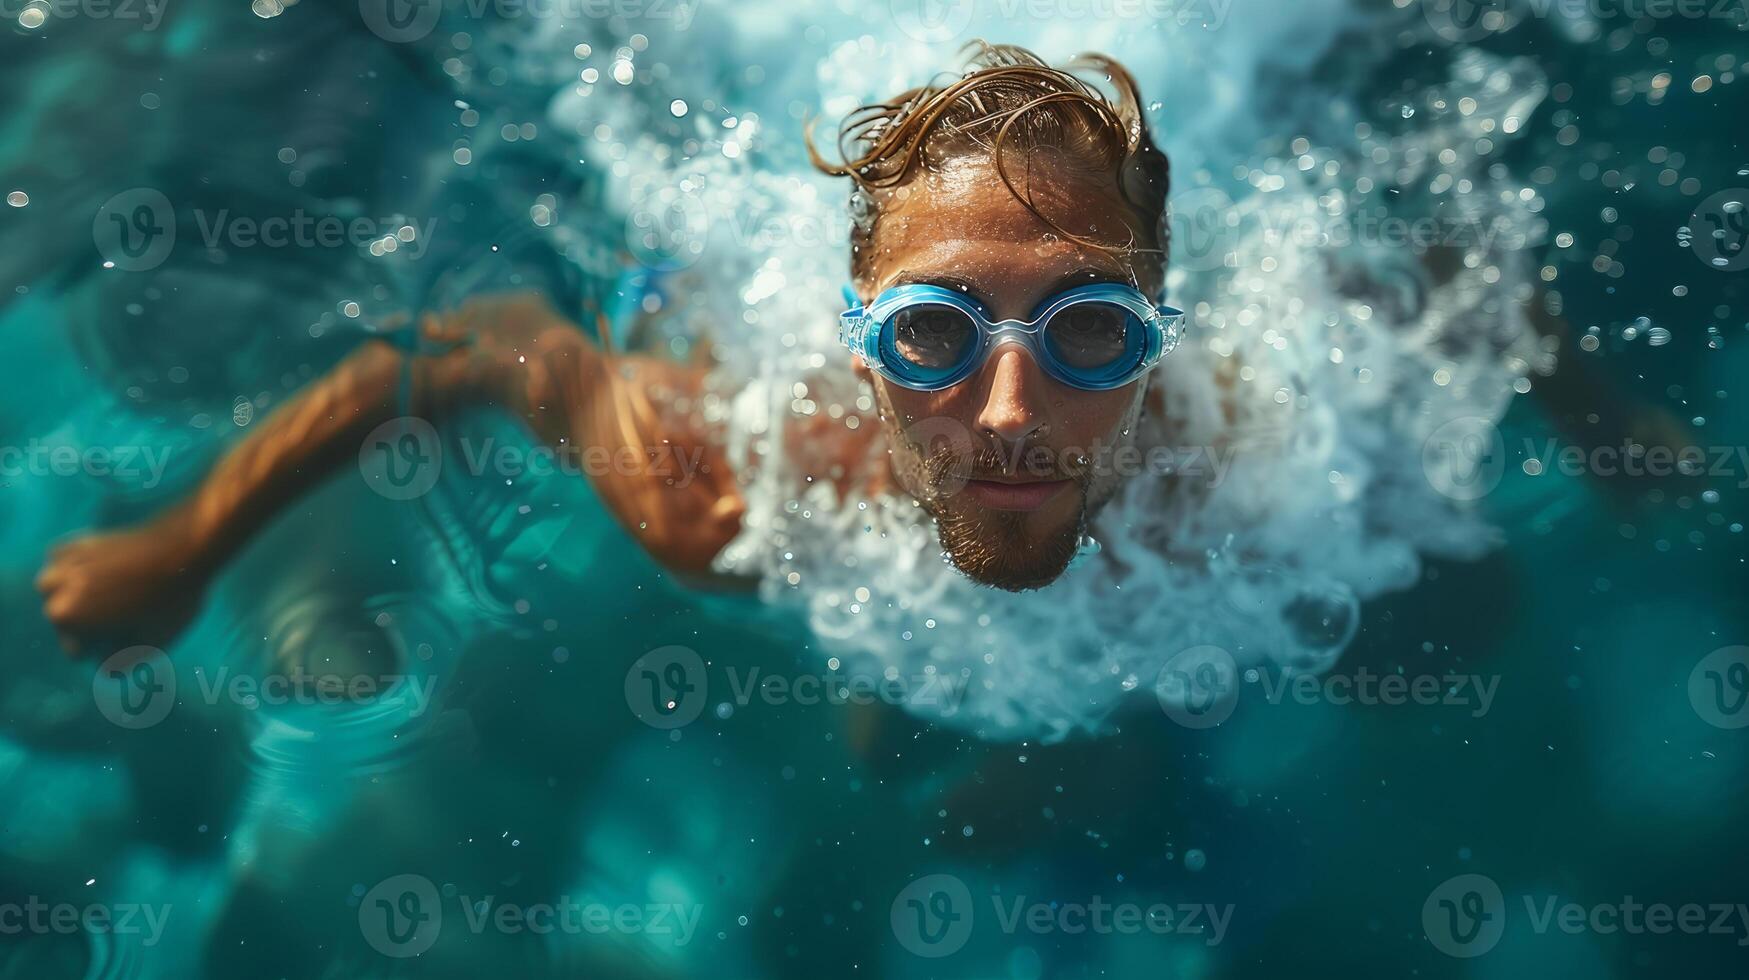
861	369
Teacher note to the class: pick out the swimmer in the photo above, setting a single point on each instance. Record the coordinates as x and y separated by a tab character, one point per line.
1005	306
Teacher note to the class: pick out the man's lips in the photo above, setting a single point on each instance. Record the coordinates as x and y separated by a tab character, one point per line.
1027	496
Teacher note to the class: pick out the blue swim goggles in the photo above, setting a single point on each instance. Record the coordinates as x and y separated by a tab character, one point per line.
1094	337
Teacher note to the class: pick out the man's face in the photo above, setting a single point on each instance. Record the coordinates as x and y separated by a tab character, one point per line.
1002	460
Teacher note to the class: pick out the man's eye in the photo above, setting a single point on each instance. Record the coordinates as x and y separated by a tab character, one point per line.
932	336
1092	322
931	325
1089	335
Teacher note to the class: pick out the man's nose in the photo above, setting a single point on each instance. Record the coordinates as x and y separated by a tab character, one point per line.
1014	401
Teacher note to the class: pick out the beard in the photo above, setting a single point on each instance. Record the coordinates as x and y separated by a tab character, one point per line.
933	459
1000	548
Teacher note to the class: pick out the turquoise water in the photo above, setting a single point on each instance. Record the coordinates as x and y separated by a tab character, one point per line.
507	804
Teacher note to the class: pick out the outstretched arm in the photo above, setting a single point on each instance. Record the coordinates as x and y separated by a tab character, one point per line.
142	584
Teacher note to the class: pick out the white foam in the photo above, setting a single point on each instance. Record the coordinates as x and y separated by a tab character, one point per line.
1327	501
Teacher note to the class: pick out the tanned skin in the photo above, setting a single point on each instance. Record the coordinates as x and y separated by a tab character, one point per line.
144	583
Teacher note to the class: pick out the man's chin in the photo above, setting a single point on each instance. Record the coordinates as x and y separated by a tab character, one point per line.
1001	550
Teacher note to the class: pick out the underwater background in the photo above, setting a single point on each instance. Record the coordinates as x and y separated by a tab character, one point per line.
1558	787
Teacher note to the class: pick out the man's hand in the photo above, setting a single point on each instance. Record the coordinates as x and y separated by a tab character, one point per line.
116	589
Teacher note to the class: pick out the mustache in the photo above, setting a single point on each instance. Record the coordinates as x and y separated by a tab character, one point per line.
991	462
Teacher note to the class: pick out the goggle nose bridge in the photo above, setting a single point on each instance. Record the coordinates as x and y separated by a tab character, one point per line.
1021	335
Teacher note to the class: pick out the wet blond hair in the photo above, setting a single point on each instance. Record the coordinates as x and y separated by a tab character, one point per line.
1008	98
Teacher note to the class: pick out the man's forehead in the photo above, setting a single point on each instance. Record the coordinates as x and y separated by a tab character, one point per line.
969	200
964	221
993	265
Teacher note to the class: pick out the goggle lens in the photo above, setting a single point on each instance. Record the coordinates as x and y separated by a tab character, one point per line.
1094	336
933	338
